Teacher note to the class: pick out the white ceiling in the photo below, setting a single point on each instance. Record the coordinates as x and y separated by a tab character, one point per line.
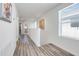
30	11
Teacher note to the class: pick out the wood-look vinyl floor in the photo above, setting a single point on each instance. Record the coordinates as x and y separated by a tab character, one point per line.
26	47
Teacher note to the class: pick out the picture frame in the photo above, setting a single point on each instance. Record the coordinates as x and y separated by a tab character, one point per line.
6	12
41	23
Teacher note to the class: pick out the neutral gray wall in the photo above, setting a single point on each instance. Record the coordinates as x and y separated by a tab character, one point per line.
68	44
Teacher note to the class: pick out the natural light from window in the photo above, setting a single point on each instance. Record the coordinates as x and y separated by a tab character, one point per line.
69	21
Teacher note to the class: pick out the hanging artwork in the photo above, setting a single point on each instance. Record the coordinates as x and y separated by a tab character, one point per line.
41	24
7	11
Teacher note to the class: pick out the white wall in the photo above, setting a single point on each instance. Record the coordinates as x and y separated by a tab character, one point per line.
51	29
9	35
43	37
35	35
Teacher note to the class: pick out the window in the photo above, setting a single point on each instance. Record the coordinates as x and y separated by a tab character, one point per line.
69	21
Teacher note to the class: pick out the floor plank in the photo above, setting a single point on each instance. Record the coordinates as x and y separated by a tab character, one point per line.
26	47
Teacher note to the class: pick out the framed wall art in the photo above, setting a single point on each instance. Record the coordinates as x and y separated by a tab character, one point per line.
41	23
6	12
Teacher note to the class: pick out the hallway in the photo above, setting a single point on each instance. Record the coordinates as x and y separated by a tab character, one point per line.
49	34
26	47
